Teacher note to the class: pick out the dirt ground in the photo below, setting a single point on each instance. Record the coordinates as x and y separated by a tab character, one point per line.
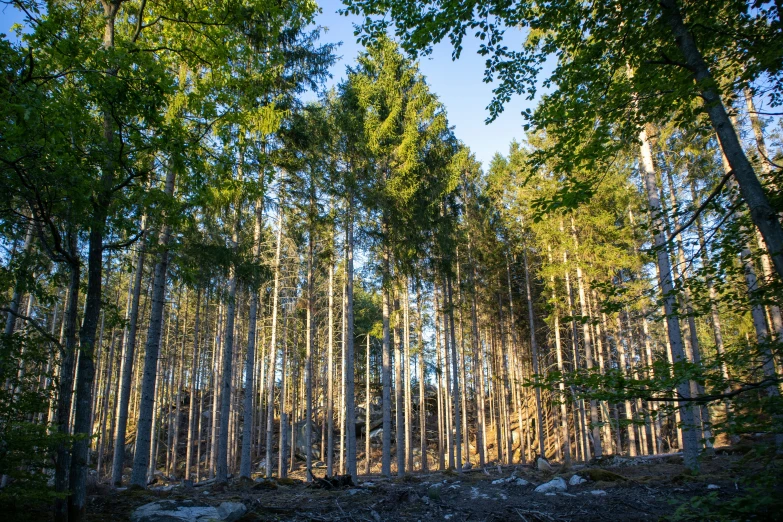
633	489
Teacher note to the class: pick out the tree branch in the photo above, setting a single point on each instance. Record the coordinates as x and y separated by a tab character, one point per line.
34	324
701	208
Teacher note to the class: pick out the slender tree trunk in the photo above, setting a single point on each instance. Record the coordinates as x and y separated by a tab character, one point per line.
144	426
386	368
367	415
215	382
456	387
330	373
65	391
282	469
221	472
247	424
534	350
761	211
422	380
690	435
13	306
310	342
406	361
588	343
565	437
192	406
438	381
399	406
350	401
178	402
270	394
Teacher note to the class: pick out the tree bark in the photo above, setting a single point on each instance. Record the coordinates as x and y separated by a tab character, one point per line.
455	376
221	472
762	213
565	438
690	435
270	394
144	426
386	368
247	425
534	350
350	406
192	424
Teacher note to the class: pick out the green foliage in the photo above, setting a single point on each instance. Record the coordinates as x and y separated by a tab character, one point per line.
760	497
26	443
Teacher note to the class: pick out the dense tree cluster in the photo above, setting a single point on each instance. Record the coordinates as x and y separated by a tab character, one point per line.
206	277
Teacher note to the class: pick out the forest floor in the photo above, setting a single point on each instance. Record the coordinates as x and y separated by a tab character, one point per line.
615	489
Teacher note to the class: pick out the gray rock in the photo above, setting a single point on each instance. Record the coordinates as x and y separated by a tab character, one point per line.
553	486
598	492
175	511
520	482
188	511
713	486
498	481
231	511
575	480
543	464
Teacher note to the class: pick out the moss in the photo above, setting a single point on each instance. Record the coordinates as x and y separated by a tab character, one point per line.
434	493
265	484
407	479
602	475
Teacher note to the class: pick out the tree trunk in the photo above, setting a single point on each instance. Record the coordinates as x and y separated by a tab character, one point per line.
422	380
690	435
270	393
330	369
534	350
386	368
399	406
588	343
565	437
367	415
144	426
310	342
406	361
192	434
180	376
65	391
455	388
350	407
247	424
221	472
282	469
762	213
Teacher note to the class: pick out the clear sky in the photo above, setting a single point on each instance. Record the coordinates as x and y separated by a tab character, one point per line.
458	84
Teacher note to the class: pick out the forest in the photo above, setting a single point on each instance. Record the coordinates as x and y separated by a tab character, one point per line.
234	290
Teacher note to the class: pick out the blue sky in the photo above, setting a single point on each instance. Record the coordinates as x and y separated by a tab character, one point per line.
458	84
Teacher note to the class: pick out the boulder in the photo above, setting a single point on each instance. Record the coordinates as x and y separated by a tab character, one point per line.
575	480
175	511
543	465
231	511
553	486
188	511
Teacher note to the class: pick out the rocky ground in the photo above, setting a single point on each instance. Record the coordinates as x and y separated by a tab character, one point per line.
617	489
614	488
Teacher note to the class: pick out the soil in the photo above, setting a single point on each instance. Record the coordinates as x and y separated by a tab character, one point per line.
634	489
